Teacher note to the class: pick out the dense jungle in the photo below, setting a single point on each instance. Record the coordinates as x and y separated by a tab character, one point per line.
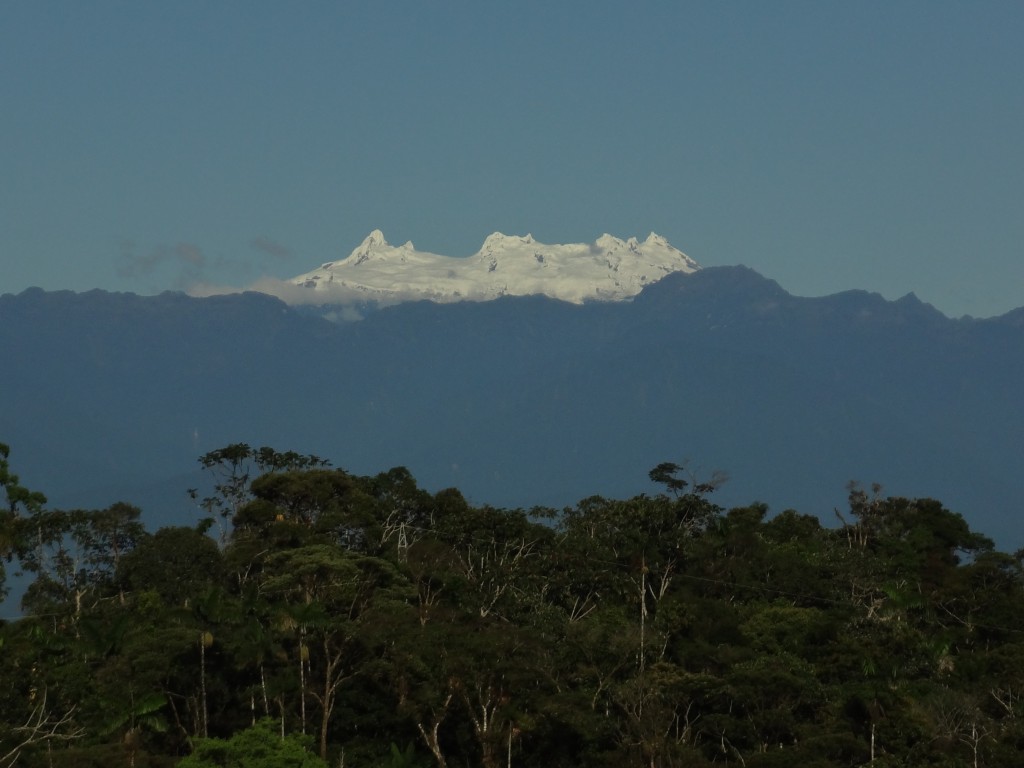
318	618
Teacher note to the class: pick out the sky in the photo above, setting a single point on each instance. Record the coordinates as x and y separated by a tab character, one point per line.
829	146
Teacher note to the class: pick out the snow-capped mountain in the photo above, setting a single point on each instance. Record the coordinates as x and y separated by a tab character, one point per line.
608	269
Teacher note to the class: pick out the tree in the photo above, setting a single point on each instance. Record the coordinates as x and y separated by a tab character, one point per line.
42	728
178	563
653	632
326	590
233	467
20	503
19	498
135	716
257	747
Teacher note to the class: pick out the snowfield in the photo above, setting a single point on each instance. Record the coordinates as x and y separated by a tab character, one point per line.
608	269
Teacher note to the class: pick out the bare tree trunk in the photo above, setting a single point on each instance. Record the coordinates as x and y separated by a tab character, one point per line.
332	680
202	682
430	737
483	714
263	688
42	727
302	678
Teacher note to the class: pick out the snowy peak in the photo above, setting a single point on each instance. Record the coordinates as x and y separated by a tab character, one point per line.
610	242
609	269
498	241
374	242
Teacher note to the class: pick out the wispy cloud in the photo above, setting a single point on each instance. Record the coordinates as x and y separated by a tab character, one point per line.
264	244
185	265
186	259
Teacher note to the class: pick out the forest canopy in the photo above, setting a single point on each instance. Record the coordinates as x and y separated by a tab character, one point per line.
315	617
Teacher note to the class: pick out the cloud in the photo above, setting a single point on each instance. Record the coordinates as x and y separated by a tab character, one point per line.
185	265
266	245
188	258
190	254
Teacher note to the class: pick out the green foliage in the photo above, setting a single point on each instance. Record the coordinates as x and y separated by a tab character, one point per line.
20	503
401	758
138	714
367	613
260	746
19	498
175	562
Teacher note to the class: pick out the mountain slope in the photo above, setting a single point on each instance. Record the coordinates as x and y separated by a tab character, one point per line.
527	400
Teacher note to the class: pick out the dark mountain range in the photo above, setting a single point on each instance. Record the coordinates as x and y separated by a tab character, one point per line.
523	401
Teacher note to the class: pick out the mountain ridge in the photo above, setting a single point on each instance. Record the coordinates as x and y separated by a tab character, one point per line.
526	400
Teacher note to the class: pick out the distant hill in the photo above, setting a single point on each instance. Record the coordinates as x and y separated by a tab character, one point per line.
526	400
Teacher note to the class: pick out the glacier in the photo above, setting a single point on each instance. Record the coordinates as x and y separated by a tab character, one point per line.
609	269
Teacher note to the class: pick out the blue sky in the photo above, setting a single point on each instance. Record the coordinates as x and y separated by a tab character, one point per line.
876	145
